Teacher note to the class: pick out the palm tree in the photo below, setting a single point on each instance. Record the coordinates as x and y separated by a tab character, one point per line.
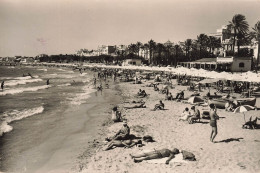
256	35
213	43
177	49
138	45
152	46
187	47
239	26
133	48
202	40
159	48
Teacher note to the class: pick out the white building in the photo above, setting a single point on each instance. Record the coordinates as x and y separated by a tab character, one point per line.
127	62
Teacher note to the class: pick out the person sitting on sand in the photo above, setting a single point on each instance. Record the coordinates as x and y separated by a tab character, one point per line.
180	95
159	106
185	115
126	143
169	96
156	154
122	134
155	88
213	121
116	115
141	93
141	105
195	115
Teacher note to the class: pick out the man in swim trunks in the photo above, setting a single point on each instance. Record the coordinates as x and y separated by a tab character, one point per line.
126	143
156	154
123	133
213	122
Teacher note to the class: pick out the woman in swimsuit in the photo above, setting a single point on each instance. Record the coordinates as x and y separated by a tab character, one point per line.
213	122
156	154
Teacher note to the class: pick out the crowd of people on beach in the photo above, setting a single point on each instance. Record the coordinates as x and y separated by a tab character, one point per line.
123	138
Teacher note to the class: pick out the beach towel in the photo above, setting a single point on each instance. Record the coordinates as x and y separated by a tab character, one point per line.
177	159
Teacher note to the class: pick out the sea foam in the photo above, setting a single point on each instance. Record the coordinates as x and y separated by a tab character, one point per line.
21	90
16	115
81	98
21	82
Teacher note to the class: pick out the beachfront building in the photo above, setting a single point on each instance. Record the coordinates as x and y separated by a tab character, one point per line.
225	34
233	64
106	50
127	62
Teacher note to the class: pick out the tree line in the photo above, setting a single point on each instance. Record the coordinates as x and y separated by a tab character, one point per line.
203	46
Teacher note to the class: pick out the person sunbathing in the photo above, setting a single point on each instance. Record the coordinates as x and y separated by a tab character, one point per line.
185	115
141	105
122	134
156	154
126	143
180	95
159	106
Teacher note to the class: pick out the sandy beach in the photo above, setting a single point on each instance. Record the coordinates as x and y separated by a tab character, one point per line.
235	150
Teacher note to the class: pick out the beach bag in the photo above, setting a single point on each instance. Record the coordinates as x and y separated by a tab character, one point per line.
188	156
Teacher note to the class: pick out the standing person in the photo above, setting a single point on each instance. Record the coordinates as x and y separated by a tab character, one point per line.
213	122
2	85
48	81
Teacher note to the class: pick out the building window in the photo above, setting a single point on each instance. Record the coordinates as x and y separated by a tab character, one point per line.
241	64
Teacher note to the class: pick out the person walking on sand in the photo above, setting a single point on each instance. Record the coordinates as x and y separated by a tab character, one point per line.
2	85
213	122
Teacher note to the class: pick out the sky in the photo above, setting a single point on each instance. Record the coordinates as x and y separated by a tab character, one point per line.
33	27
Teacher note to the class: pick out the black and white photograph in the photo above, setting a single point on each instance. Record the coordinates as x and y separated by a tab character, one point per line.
130	86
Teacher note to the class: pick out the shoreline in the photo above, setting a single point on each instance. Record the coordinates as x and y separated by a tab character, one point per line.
73	133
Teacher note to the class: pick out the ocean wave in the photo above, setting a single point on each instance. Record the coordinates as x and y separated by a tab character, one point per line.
81	98
42	69
19	82
83	74
16	115
21	90
66	84
54	74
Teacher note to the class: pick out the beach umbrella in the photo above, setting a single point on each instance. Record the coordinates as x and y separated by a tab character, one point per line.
244	108
195	99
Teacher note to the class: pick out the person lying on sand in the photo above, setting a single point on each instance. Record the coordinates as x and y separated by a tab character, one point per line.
159	106
141	105
126	143
122	134
185	115
156	154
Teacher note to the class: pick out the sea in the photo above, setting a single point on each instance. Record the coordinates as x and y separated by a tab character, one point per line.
30	109
26	92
